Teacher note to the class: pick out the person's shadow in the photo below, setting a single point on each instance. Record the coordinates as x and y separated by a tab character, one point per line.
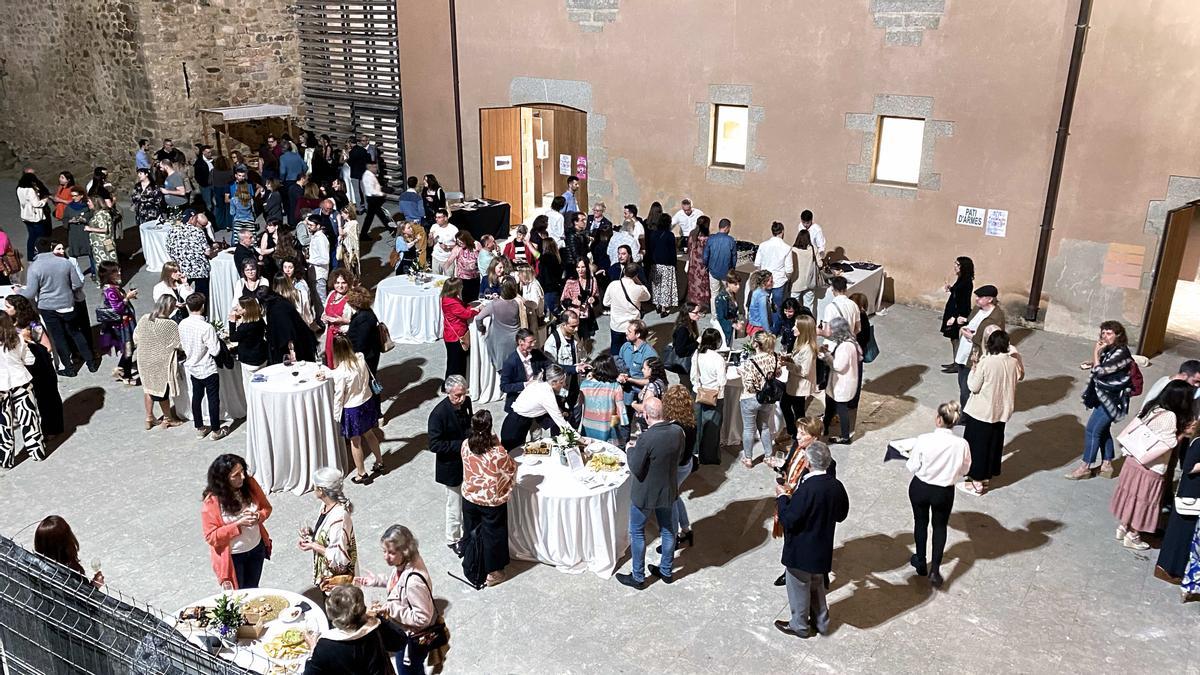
1042	392
897	382
398	456
738	528
989	540
1047	445
78	410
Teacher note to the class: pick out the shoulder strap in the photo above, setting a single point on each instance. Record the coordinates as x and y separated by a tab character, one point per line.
621	283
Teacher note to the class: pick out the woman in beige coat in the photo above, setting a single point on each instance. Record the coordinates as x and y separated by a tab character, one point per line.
157	340
993	385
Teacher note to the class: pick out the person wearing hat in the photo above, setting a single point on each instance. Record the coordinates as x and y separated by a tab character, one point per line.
970	347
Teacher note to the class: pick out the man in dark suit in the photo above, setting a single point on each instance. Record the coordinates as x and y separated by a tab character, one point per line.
449	426
809	516
653	461
520	367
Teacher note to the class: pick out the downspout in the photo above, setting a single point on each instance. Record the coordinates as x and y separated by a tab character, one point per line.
1056	164
462	175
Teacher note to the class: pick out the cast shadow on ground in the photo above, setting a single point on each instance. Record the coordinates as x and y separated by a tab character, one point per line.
373	269
1047	445
78	410
1043	392
738	528
397	456
705	480
896	382
875	601
1017	335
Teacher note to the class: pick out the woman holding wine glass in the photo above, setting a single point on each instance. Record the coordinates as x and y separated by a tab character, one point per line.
331	538
232	517
54	539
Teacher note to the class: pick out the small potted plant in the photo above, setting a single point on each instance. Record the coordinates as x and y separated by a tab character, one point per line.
226	618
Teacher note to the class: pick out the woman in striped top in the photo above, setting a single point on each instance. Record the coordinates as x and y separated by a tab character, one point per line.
603	401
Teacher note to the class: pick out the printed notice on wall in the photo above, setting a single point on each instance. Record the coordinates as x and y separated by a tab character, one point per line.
970	215
564	165
997	223
503	162
581	167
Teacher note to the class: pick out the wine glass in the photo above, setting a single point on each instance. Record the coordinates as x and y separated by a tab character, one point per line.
306	533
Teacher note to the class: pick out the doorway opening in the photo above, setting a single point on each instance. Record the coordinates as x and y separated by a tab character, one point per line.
1172	318
528	152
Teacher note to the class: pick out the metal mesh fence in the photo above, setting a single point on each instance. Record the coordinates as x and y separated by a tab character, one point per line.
54	621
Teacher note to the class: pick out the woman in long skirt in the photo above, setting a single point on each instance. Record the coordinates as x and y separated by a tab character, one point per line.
488	473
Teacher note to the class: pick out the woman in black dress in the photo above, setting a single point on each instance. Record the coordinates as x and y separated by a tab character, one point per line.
958	306
45	377
285	327
1177	541
434	197
363	329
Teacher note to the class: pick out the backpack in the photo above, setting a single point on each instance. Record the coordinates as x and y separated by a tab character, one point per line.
772	389
1135	376
471	546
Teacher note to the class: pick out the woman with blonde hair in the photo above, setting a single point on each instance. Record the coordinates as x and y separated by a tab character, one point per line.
356	405
499	269
937	461
845	369
802	371
678	407
157	340
409	602
763	365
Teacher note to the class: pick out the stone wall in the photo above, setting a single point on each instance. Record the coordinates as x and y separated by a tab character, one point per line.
81	81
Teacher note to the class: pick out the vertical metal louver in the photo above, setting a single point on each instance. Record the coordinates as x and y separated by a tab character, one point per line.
350	65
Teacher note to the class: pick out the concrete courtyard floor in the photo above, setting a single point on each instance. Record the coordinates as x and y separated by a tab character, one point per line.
1034	580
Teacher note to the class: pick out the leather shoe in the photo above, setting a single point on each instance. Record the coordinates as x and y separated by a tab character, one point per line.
658	573
918	565
935	579
66	373
628	580
782	580
93	366
787	630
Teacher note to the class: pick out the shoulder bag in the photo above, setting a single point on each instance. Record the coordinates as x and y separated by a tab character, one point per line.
772	389
385	338
621	283
1187	506
1140	442
437	634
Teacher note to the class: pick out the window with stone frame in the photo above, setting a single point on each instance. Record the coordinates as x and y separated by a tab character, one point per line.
898	145
730	136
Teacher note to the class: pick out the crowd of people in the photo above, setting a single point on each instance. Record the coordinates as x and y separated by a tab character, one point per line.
536	298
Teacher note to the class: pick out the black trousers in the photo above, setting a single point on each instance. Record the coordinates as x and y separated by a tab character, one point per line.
842	410
492	522
515	429
374	208
247	567
793	409
64	331
618	340
456	359
210	388
929	499
199	285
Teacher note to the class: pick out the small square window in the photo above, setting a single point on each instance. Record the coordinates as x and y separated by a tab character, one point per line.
730	126
898	150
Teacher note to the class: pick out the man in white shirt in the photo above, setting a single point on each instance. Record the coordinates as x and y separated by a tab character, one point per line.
373	193
537	403
685	219
775	256
318	254
621	236
839	307
556	223
200	345
633	225
442	238
624	298
1189	371
815	233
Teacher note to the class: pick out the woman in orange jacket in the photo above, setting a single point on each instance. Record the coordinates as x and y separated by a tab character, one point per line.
232	516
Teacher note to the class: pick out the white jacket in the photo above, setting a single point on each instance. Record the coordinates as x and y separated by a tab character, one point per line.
31	206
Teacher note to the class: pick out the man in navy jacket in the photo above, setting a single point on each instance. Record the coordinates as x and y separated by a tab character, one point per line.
514	374
809	516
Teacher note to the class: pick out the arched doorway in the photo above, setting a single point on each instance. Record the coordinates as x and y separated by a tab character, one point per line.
527	153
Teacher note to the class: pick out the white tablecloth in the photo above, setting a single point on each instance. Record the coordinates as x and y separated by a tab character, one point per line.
869	283
483	382
290	429
249	654
222	279
154	244
233	395
412	312
555	519
731	411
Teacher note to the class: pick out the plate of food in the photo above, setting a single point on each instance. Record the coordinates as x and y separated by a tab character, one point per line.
604	461
288	645
291	614
537	448
268	607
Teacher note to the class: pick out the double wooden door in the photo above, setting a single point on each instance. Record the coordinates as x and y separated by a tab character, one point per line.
528	152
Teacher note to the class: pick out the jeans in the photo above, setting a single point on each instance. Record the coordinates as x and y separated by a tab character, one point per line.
926	499
777	315
209	387
36	231
793	409
806	596
680	509
1098	436
756	419
247	567
551	301
411	659
60	326
208	195
637	539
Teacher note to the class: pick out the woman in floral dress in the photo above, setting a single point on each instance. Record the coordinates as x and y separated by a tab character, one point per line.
697	272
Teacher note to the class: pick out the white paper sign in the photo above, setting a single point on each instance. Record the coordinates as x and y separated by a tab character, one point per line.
971	216
997	223
574	460
503	162
543	149
564	165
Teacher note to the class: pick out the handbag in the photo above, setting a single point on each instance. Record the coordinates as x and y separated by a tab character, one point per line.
10	262
223	357
706	396
436	635
671	360
385	338
772	389
105	314
376	388
872	350
1140	442
1187	506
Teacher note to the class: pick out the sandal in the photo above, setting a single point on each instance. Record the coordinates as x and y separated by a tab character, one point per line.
362	480
970	488
1079	473
748	463
1106	470
169	422
377	469
151	423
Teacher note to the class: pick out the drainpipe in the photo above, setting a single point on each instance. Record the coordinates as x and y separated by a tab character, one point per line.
1056	164
462	175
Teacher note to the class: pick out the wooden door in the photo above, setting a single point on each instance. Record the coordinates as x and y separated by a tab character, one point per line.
500	157
1166	273
570	138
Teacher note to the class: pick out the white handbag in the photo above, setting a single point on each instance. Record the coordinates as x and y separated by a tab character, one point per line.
1187	506
1140	442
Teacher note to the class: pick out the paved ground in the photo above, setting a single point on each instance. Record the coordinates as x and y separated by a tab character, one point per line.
1035	582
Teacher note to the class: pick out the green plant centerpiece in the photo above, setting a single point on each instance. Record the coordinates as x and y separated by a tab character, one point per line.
226	617
564	441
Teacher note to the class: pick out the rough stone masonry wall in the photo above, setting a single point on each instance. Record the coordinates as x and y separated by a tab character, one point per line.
82	80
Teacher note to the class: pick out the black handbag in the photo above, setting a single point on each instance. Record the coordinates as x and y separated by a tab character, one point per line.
772	389
108	315
224	357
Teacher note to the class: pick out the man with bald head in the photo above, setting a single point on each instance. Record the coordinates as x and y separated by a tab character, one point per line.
653	461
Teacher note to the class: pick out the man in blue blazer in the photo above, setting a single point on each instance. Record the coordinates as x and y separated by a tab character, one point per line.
808	517
523	365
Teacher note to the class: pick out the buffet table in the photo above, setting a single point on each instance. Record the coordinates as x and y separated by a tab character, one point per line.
731	411
290	428
232	393
556	518
483	381
412	311
222	280
250	653
867	282
154	244
492	219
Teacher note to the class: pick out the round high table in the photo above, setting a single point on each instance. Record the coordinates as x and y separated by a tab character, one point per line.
411	311
575	522
249	654
222	279
154	244
483	381
232	392
290	429
731	410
